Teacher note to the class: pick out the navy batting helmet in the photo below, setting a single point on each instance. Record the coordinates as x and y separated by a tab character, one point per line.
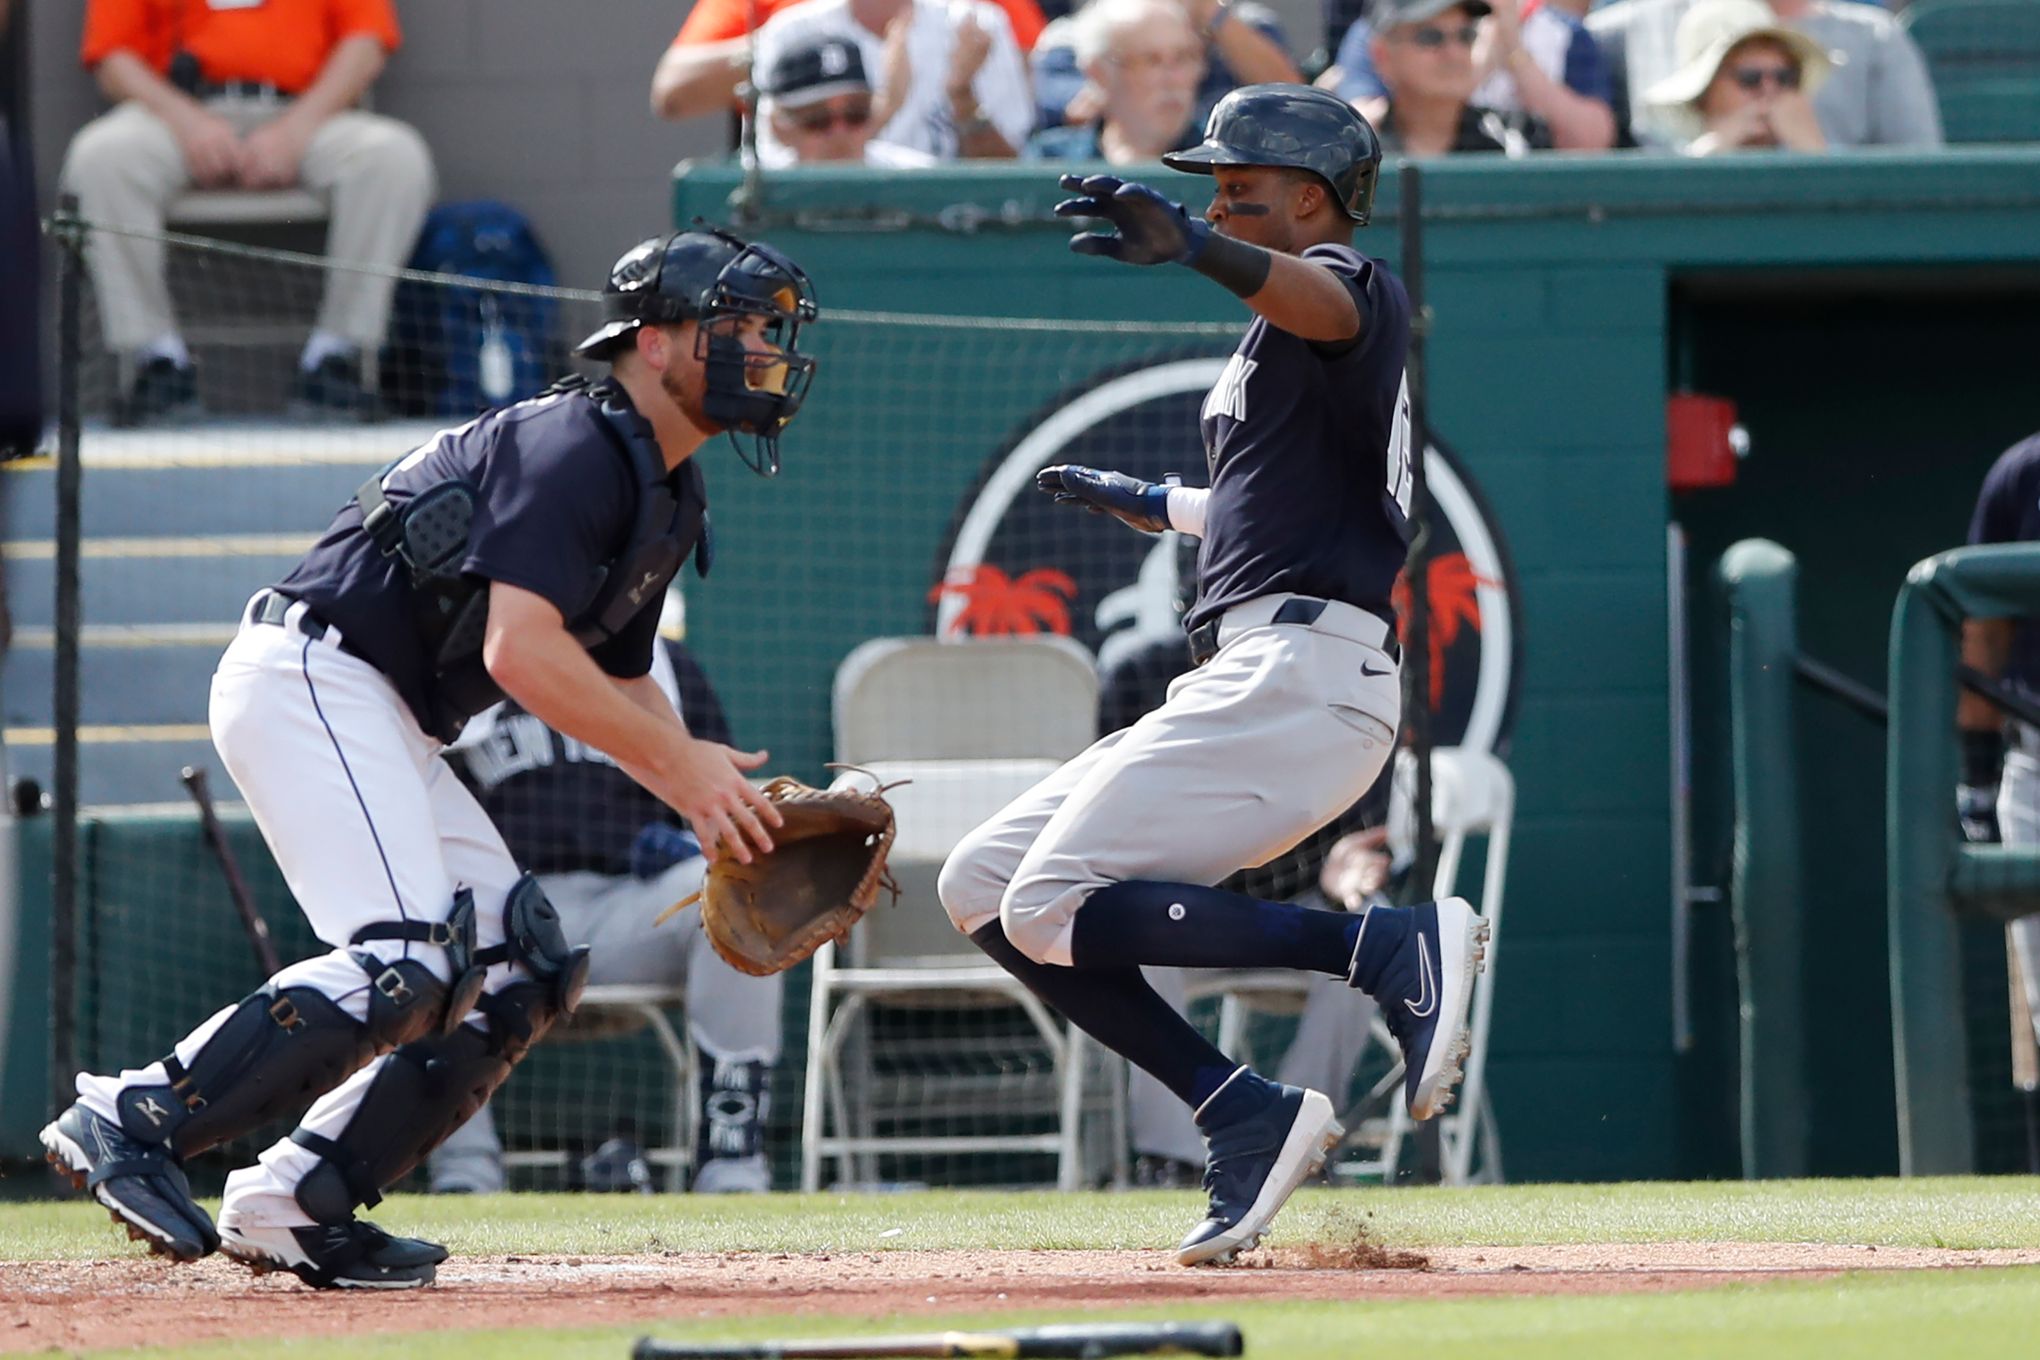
1297	126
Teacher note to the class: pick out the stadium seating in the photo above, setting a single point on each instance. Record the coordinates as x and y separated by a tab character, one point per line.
1984	56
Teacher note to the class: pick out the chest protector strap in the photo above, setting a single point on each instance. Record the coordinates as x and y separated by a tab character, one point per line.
429	534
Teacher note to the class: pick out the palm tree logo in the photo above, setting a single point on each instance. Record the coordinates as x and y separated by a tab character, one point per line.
1452	585
998	605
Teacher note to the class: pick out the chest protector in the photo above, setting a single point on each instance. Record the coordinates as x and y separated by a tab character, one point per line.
429	534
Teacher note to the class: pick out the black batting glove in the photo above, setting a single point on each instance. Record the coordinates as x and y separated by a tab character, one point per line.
1147	228
1144	505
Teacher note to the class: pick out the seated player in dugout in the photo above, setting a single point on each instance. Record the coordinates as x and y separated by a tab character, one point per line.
1108	865
610	857
524	554
244	96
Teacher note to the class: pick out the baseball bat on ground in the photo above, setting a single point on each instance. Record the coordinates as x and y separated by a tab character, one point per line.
1080	1341
237	887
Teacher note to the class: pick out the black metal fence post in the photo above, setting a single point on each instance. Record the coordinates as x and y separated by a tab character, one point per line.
68	231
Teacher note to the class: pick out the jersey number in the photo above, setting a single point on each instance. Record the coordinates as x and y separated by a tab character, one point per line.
1400	480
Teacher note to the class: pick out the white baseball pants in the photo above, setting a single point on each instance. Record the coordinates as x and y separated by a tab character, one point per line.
1278	733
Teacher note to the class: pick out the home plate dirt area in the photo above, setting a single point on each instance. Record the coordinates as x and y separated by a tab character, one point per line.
75	1305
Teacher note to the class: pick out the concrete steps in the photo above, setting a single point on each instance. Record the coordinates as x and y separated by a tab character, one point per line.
180	527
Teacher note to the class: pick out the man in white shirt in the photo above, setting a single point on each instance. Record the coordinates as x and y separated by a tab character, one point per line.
819	104
952	82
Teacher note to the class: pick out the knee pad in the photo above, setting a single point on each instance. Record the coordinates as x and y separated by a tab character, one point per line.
280	1049
466	968
534	940
426	1090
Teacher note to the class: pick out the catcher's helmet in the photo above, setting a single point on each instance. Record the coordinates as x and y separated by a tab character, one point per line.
1297	126
707	275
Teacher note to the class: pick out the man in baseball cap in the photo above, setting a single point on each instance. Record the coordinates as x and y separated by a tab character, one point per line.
818	101
1423	52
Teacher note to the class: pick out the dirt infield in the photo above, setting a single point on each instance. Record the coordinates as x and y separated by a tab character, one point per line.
138	1300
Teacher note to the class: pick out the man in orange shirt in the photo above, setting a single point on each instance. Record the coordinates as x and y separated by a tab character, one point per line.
243	96
711	56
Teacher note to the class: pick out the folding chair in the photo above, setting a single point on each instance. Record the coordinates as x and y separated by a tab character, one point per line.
1472	794
971	725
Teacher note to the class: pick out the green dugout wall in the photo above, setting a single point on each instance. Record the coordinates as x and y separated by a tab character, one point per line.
1569	295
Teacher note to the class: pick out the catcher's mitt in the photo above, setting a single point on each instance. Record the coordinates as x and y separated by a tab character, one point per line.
824	872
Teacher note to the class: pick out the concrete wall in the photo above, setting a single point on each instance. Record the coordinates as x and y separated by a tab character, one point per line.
541	104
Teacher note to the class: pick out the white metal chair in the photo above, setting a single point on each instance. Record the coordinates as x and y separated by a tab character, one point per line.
971	725
1472	794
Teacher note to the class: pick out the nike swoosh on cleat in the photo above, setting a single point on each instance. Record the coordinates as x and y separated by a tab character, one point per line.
1365	671
1427	982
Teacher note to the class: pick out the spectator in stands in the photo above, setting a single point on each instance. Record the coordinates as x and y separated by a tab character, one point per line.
611	857
1243	45
711	56
1744	83
818	103
1423	52
951	80
1146	62
240	96
1536	60
1878	92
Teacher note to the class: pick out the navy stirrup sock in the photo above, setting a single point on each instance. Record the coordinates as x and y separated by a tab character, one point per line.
1186	926
1116	1007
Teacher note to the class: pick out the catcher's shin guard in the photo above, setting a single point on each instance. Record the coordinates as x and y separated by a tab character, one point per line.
280	1049
432	1086
426	1090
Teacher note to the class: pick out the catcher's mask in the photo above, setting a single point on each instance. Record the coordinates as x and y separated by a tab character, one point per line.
753	386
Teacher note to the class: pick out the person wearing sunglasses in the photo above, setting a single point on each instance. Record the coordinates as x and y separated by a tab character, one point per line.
1537	59
1423	52
1145	60
1744	81
818	102
1877	91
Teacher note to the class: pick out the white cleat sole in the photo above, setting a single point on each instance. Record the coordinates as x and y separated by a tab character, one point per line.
1311	1138
69	1160
266	1250
1462	940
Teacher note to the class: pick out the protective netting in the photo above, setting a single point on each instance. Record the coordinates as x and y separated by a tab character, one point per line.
906	508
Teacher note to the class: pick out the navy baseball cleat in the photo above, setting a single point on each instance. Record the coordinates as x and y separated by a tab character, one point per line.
1253	1166
1423	980
140	1184
351	1255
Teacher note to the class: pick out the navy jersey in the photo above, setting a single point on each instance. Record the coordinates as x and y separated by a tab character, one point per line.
561	804
556	500
1308	447
2008	511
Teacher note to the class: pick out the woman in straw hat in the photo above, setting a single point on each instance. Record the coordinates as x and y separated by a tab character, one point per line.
1743	81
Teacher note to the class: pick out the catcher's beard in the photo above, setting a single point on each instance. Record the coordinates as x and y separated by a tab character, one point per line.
689	397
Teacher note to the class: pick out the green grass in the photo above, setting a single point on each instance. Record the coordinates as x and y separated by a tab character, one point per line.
1974	1212
1878	1317
1859	1317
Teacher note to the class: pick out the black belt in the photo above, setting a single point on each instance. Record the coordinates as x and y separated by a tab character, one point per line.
271	606
241	89
1296	609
